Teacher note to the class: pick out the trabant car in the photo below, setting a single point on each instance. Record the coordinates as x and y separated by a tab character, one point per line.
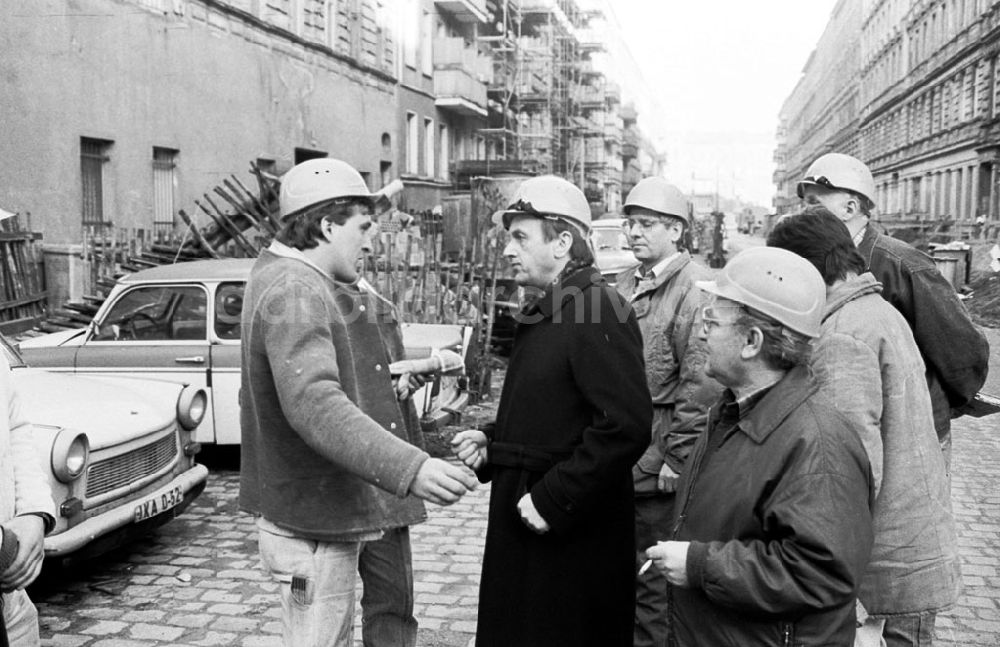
181	322
612	250
118	452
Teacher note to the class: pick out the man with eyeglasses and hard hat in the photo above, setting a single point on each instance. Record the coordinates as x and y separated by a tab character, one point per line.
328	460
773	523
668	307
955	353
574	416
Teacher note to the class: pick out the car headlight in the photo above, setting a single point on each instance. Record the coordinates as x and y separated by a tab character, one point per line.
191	407
70	454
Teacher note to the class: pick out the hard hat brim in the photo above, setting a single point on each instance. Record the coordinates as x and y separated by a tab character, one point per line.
505	216
712	287
371	200
800	187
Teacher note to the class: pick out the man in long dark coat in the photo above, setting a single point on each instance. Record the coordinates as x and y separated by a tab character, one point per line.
574	416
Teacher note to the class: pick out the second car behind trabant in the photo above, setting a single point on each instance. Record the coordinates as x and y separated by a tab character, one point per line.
181	322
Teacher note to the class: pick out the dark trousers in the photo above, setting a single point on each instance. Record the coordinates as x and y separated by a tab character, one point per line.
652	524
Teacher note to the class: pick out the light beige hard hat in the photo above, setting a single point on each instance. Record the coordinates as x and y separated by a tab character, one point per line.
547	196
656	194
839	171
319	180
777	283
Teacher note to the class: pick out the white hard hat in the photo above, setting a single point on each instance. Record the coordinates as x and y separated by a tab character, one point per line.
777	283
656	194
319	180
839	171
547	196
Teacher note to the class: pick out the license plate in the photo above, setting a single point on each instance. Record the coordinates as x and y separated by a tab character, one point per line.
158	503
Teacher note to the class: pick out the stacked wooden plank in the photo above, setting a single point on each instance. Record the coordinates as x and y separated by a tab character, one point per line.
22	284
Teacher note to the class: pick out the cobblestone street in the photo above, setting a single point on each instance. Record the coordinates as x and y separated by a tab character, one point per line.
197	582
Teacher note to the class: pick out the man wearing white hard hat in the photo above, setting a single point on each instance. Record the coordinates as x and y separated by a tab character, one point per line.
773	526
574	416
955	352
328	460
668	307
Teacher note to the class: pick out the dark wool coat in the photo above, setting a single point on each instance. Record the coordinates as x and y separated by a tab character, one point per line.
574	416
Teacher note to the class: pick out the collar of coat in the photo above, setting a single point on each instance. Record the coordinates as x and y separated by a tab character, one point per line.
784	397
632	287
558	294
850	290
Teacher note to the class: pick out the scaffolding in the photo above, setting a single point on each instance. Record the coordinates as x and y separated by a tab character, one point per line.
550	109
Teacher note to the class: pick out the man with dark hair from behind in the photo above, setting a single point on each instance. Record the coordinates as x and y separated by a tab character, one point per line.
868	365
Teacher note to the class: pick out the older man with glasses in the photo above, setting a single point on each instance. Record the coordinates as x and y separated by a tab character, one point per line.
773	526
666	303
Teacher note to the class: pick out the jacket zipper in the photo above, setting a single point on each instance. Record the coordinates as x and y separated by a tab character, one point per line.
786	635
695	469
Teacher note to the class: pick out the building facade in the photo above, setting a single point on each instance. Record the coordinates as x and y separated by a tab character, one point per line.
930	126
116	114
119	113
926	118
821	113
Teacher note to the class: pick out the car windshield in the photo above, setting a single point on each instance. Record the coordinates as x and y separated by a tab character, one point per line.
11	355
609	239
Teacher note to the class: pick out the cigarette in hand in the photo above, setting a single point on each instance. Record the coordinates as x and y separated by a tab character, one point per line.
645	566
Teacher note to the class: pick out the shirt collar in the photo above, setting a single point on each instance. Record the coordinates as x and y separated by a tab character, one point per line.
284	251
657	269
740	407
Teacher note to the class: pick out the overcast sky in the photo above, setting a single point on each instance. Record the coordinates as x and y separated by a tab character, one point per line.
717	72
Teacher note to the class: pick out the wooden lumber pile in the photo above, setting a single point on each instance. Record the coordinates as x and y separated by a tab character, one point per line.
22	284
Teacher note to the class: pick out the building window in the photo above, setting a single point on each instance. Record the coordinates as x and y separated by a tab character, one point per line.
94	156
426	44
412	151
410	18
429	147
444	158
164	163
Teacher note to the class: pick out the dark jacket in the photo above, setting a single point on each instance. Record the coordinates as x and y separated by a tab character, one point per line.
955	353
668	309
573	418
324	440
780	526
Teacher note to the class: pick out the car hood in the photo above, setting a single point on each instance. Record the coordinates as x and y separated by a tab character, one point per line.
612	261
108	410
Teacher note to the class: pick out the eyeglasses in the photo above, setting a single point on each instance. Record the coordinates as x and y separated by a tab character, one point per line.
645	224
710	316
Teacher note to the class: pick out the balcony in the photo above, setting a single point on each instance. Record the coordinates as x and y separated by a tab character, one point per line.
467	11
461	76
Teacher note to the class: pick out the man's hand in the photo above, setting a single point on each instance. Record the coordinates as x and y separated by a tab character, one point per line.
670	557
667	480
440	482
30	531
530	516
409	383
469	446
